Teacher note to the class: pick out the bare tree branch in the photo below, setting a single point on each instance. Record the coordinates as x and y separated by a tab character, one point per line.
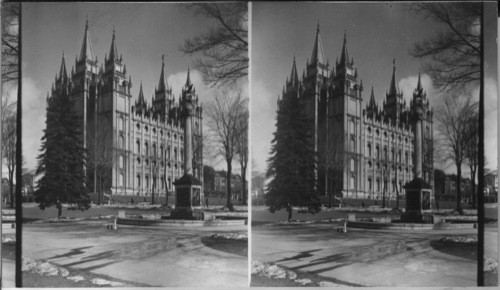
223	48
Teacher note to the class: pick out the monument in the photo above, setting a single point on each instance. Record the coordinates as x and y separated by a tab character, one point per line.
188	188
419	195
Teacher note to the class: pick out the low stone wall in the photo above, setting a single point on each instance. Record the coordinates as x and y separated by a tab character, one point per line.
176	222
407	226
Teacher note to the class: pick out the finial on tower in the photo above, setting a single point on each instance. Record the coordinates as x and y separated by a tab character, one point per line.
317	26
163	60
113	32
394	64
87	22
345	35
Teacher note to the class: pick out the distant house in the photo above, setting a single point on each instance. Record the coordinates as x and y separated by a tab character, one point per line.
491	182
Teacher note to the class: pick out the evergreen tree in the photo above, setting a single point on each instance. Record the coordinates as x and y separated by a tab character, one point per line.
62	158
292	162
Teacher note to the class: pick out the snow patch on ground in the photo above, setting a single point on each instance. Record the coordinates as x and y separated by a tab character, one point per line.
8	239
461	239
75	278
104	282
330	284
490	264
303	281
272	271
231	236
42	268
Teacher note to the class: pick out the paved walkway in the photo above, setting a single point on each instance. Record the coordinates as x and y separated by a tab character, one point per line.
162	256
370	258
8	273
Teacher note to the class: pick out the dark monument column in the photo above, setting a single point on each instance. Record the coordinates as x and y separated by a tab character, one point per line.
419	196
188	187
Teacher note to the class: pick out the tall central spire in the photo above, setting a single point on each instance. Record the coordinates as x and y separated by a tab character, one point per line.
344	56
63	75
317	54
392	89
162	85
86	51
294	77
113	52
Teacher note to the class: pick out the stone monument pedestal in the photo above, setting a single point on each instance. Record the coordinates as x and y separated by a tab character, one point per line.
419	200
188	197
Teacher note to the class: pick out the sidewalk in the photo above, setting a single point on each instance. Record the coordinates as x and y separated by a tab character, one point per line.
8	273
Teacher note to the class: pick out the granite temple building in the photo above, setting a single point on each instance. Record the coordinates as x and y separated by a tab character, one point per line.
144	139
376	141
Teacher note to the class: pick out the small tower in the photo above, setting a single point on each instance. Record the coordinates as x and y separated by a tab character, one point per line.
162	101
394	102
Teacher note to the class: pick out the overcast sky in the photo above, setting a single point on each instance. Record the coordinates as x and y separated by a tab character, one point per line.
376	34
143	34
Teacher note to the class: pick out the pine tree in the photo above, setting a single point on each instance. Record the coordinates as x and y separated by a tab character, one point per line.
62	158
292	162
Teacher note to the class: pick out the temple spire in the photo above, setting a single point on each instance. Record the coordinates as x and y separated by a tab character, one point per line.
141	95
162	84
63	75
419	84
188	79
372	103
392	89
113	52
294	77
344	56
86	50
317	54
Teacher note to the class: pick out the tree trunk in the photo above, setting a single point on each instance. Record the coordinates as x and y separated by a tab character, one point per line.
11	184
229	204
459	193
244	181
473	180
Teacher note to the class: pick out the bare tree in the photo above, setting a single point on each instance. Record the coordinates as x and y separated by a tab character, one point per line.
471	151
242	151
9	143
224	47
10	42
223	115
455	51
453	123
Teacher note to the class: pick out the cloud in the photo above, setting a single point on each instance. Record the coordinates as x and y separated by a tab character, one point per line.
33	120
262	115
408	84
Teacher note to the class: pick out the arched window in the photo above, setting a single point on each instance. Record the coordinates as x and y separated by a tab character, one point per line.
378	185
162	152
138	146
377	152
352	126
182	155
385	153
120	179
169	183
154	149
369	164
120	124
175	154
147	181
352	164
138	179
146	128
121	142
369	183
428	132
353	145
353	181
369	150
406	157
168	152
146	148
138	160
120	161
